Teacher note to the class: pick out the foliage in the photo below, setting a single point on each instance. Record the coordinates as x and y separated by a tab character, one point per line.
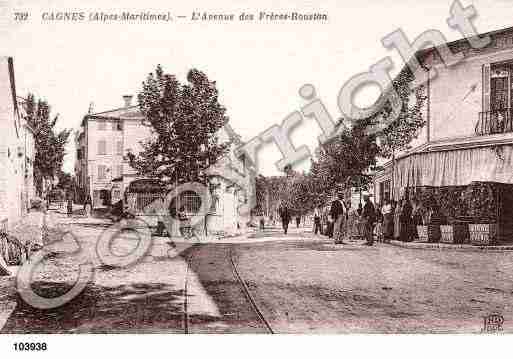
304	194
346	160
270	191
399	133
476	202
482	202
351	157
185	120
66	180
49	145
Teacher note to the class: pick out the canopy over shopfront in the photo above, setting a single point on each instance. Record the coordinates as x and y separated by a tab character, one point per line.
454	168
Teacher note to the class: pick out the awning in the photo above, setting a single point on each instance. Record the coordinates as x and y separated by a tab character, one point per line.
455	168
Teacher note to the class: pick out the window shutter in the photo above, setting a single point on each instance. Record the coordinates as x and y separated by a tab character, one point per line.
486	87
101	172
102	147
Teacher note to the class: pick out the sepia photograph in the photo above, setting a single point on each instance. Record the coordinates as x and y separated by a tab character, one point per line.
303	167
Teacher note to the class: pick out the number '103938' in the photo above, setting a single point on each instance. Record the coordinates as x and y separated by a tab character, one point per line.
30	347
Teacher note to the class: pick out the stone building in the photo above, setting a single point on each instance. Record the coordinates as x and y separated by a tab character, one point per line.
468	136
16	151
102	171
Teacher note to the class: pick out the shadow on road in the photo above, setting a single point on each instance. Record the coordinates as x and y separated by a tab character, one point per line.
138	307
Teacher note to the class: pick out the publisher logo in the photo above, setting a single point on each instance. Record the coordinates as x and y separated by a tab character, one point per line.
493	323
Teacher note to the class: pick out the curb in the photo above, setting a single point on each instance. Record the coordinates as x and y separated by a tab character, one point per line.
453	247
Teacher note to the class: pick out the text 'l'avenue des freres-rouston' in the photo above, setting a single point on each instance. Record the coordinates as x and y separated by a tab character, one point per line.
263	16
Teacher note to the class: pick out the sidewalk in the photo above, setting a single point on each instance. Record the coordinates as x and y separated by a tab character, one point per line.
29	231
454	247
145	296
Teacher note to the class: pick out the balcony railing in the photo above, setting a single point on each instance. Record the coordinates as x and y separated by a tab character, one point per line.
496	121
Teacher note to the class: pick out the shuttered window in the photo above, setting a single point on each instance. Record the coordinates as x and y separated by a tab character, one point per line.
102	147
119	147
119	170
102	172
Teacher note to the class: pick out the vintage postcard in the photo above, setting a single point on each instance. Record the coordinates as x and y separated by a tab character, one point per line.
243	167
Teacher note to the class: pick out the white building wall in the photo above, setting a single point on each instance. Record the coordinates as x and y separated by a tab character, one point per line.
12	150
456	96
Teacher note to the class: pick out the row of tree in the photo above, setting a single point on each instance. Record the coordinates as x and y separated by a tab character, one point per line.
350	159
49	143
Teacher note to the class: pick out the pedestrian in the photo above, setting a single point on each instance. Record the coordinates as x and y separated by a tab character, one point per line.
416	215
262	222
317	220
284	213
359	209
298	221
405	219
48	200
338	214
388	221
378	229
369	219
70	206
88	204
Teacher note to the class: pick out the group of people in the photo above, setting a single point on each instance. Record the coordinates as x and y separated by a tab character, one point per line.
400	219
339	214
384	222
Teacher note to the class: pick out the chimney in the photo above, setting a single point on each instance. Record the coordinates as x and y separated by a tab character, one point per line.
128	100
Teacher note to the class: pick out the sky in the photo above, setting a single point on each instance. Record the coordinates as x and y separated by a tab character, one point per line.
258	66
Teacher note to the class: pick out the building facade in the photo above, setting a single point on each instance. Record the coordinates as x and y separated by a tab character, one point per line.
468	134
16	151
103	172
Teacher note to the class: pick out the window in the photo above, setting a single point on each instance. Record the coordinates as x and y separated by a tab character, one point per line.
119	170
102	125
119	147
499	88
102	147
102	172
497	113
117	125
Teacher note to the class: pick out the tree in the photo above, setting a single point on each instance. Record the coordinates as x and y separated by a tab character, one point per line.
347	159
49	145
351	157
399	133
66	180
184	120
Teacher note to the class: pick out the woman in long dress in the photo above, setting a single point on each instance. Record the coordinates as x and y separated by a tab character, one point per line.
388	221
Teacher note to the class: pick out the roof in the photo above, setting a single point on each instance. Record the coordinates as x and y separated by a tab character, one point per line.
456	43
131	112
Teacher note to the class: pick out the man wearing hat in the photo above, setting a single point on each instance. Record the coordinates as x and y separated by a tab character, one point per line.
338	213
369	218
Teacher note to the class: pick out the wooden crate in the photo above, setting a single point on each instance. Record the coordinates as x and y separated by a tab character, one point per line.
454	233
483	234
422	232
429	233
